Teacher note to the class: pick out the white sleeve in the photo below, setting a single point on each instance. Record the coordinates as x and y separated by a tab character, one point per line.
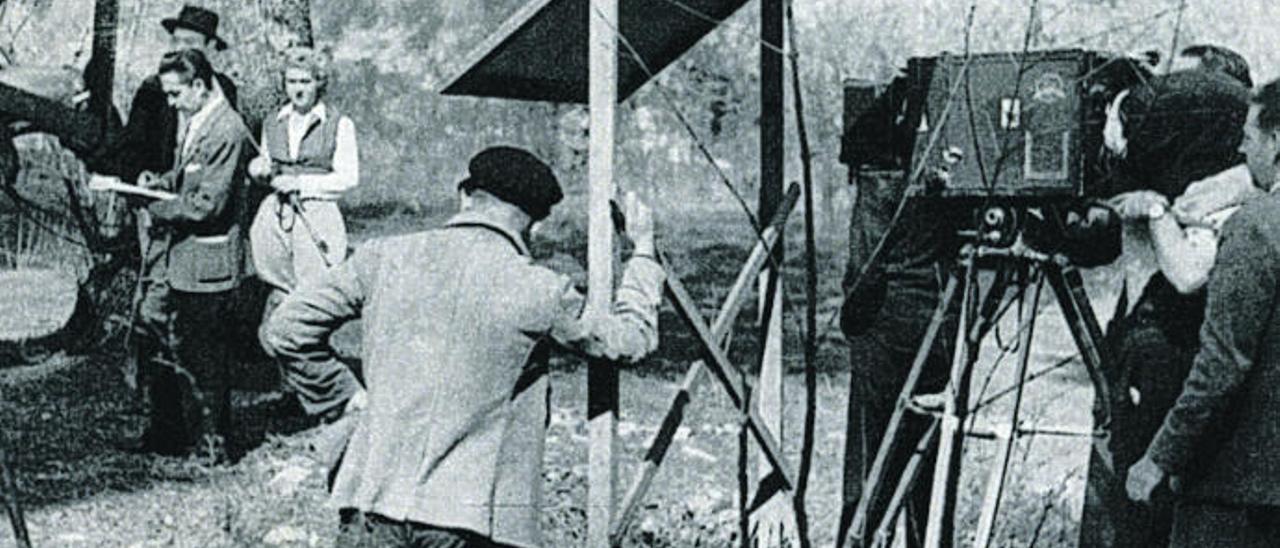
346	166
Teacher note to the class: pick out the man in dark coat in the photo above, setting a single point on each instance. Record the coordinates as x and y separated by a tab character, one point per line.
1168	132
150	137
900	256
1221	441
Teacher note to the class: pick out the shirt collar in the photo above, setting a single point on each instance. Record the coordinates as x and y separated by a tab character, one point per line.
318	111
199	117
472	218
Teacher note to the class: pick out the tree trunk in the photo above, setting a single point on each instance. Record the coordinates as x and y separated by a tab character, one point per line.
257	38
9	490
99	74
289	23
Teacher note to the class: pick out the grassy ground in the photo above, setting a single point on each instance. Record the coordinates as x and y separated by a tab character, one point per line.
60	418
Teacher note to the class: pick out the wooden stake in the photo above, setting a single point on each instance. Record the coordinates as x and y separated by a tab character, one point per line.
721	328
602	377
771	519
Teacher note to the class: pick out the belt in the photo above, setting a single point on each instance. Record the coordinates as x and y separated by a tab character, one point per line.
305	199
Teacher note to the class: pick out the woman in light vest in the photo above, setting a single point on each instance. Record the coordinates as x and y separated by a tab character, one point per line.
309	158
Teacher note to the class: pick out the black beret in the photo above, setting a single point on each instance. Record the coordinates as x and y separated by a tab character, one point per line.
515	176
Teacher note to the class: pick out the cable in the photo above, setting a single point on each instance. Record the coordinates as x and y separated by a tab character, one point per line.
1146	21
809	431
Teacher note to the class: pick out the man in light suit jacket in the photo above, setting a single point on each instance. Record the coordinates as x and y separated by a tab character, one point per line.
458	323
194	262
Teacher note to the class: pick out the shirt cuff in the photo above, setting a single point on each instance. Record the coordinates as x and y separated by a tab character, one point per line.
1167	453
642	281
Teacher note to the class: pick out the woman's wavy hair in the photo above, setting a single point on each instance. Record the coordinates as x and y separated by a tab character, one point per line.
318	62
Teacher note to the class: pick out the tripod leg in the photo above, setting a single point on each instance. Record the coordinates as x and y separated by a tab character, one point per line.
1078	312
910	473
993	304
889	444
999	473
939	532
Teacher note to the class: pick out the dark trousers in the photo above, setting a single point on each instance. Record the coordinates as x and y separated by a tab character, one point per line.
323	385
1199	524
881	359
367	530
1146	380
186	355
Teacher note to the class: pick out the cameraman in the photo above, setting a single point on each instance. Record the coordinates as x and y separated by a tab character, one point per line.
885	314
1174	129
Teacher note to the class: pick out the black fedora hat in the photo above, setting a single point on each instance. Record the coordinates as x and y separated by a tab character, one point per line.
198	19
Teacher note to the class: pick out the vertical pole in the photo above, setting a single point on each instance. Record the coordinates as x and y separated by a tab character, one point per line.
602	376
771	518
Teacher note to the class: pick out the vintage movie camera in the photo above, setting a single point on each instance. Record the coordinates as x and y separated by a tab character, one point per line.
1017	137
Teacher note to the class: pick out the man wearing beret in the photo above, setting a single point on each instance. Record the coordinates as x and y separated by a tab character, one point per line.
458	322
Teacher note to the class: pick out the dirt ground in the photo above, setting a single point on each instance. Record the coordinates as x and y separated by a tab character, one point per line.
61	418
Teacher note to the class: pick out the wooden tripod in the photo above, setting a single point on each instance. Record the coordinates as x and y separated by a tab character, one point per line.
1019	271
712	338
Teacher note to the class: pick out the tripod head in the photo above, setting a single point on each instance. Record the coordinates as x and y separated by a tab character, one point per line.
1084	233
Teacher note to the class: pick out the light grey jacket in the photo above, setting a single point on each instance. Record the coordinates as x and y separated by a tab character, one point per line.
456	324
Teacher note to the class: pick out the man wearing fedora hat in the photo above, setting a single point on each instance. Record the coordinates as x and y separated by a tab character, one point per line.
150	138
149	143
458	322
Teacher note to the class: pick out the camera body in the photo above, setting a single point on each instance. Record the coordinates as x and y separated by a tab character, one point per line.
1016	136
1014	126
